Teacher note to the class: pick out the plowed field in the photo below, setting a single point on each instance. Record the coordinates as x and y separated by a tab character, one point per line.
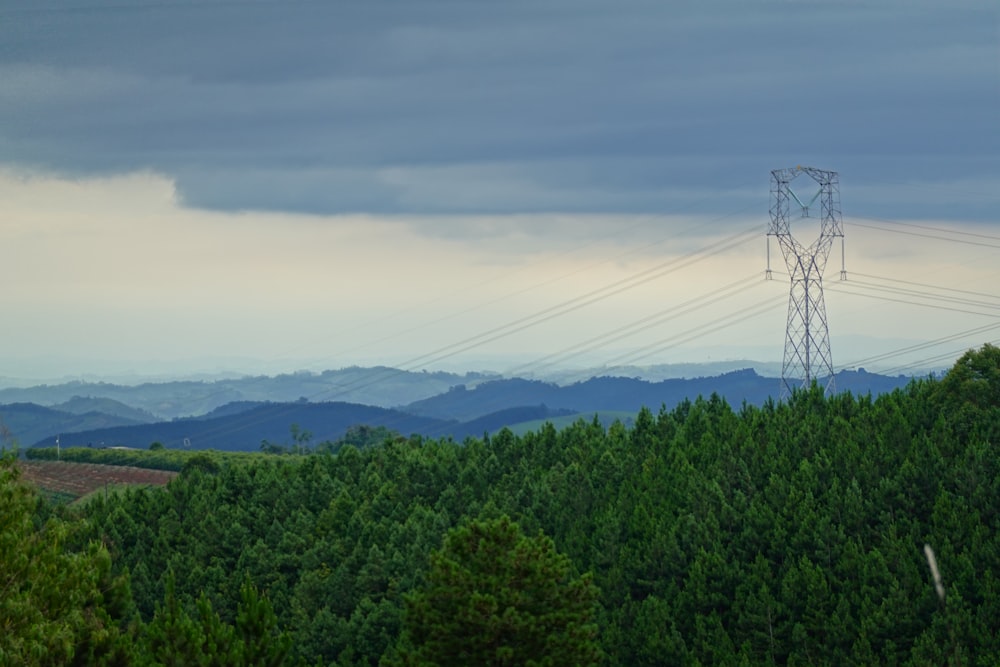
79	479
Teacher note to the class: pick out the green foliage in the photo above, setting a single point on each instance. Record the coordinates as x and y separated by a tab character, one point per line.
59	605
360	436
975	378
261	642
790	533
175	638
268	447
496	597
300	438
970	395
201	462
154	458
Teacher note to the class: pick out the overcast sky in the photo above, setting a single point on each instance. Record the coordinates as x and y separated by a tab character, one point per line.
264	186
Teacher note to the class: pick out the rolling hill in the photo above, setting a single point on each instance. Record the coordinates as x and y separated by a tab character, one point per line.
25	423
381	386
623	394
458	412
245	430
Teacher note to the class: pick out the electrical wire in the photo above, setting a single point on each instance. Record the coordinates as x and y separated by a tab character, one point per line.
942	230
636	327
846	288
714	326
925	285
718	324
922	346
644	220
927	236
484	304
576	303
952	355
903	291
839	287
545	314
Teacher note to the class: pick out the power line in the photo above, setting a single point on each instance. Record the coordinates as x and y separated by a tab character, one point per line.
637	326
631	282
923	346
943	230
551	312
576	303
922	294
658	271
937	287
941	357
643	221
840	287
846	287
927	236
504	297
714	326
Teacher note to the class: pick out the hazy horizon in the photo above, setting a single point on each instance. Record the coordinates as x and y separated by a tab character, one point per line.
35	372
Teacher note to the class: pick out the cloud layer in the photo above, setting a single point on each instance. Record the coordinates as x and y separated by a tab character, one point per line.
481	108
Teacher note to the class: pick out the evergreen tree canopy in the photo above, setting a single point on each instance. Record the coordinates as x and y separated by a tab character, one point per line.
790	533
496	597
55	603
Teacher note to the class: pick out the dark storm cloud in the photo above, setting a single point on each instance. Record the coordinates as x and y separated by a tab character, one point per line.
466	107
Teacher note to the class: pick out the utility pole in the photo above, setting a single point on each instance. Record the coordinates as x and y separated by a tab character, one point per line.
807	336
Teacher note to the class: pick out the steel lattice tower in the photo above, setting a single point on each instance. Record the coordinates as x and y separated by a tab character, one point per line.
807	336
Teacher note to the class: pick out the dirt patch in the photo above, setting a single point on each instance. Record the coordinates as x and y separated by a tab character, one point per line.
79	479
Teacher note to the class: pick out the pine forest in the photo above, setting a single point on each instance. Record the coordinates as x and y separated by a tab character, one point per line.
818	530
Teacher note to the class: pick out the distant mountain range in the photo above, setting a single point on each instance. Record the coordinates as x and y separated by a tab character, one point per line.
624	394
118	415
382	386
26	423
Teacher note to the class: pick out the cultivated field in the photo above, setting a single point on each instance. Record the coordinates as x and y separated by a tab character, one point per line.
78	479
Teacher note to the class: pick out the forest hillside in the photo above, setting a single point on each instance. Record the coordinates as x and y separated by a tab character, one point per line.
789	533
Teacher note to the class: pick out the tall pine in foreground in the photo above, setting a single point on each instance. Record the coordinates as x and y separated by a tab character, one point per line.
56	602
496	597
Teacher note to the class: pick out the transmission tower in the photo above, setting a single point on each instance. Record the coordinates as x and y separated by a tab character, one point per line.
807	336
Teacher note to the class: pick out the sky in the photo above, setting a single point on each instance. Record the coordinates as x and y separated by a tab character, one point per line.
255	186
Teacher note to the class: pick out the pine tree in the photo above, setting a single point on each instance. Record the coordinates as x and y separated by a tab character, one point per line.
260	641
496	597
54	601
175	637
